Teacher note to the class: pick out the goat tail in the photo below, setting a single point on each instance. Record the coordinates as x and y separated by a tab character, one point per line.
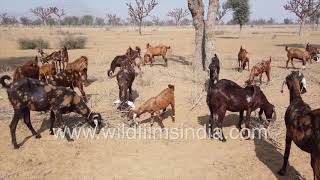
3	83
287	49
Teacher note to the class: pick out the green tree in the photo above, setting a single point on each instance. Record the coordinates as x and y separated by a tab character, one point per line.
241	11
87	20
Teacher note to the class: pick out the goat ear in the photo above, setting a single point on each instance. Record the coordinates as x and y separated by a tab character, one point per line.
241	47
171	86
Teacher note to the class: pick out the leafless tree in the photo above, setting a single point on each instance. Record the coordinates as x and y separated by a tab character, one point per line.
178	14
223	9
59	13
113	20
204	37
302	9
43	13
8	20
140	10
156	20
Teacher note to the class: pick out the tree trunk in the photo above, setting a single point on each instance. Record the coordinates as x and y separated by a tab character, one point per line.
209	32
301	26
196	8
140	24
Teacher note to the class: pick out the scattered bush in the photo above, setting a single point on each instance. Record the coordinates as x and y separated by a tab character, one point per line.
27	43
72	42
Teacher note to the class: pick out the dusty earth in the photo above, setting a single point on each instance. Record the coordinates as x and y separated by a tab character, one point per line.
100	158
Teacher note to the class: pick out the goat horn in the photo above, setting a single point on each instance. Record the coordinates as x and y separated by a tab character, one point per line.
284	82
274	116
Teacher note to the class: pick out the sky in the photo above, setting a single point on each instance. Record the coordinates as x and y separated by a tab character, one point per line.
259	8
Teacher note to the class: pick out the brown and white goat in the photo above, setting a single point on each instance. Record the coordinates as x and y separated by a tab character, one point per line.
28	69
295	53
302	124
60	58
259	69
243	59
47	71
313	51
155	104
30	94
80	65
68	78
160	50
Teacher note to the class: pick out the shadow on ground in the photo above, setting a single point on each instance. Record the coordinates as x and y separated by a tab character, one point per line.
8	64
270	156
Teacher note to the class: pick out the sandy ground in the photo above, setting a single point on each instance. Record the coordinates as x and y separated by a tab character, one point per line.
99	158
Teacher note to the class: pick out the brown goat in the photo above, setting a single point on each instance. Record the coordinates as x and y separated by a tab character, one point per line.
42	53
295	53
29	94
68	78
243	59
302	124
80	65
160	50
313	51
47	70
28	69
259	69
60	58
155	104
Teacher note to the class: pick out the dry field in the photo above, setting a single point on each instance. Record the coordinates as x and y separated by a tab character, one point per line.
48	158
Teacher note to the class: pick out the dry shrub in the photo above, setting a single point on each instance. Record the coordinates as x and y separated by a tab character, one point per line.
27	43
72	42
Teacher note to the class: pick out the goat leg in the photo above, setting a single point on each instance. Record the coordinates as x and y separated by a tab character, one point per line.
173	112
283	170
246	134
13	127
52	119
315	164
240	120
26	118
221	116
152	119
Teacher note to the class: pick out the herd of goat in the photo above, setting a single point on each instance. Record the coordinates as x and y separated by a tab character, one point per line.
51	88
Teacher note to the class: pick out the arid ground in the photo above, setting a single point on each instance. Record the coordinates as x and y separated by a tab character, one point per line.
99	158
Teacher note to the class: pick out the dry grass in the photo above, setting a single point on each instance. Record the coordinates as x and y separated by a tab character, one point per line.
166	159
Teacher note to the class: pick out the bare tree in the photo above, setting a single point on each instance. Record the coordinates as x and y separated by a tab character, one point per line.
178	14
302	9
222	10
43	13
113	20
204	37
8	20
156	20
59	13
140	10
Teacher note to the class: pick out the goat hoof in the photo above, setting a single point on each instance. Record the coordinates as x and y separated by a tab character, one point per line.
16	146
38	136
71	140
223	140
282	172
51	133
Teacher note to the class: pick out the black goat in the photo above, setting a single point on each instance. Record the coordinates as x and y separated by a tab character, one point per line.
229	96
